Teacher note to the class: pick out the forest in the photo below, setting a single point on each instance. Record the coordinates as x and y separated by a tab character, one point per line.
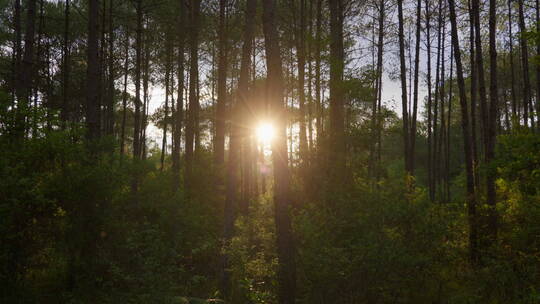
270	151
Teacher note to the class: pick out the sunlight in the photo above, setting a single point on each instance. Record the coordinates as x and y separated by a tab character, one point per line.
265	132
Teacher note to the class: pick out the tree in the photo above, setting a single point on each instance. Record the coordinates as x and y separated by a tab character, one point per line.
471	195
93	118
193	111
403	78
282	196
221	86
337	61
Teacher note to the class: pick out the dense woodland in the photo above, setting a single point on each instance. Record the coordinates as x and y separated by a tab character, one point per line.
272	151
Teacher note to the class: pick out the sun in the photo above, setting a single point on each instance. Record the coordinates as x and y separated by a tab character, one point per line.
265	132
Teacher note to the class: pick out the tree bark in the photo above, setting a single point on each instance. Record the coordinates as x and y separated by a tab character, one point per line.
337	157
193	112
124	95
93	73
525	65
179	114
471	200
415	96
403	77
282	196
219	145
25	71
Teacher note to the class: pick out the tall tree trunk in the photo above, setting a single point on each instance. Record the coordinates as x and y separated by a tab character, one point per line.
337	96
376	114
93	73
471	200
25	71
415	95
124	95
525	66
282	195
474	95
449	121
64	114
318	38
111	90
480	66
515	117
429	100
491	124
232	185
299	25
193	112
168	50
179	114
138	59
219	145
145	82
403	77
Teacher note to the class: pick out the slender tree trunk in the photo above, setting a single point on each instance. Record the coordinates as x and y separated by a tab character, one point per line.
376	114
93	73
480	66
449	122
25	71
471	200
193	112
403	77
219	149
474	96
111	90
537	12
299	25
415	95
145	79
512	74
318	30
64	114
429	101
491	135
124	95
168	50
282	196
179	114
337	62
525	66
137	101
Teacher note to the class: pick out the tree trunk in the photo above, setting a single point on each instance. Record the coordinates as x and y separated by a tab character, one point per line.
525	65
318	38
299	25
138	57
179	114
111	90
491	135
403	77
471	200
415	96
124	95
168	50
93	73
337	62
219	144
282	196
25	71
193	112
429	100
64	114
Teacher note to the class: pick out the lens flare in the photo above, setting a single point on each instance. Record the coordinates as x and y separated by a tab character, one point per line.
265	132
